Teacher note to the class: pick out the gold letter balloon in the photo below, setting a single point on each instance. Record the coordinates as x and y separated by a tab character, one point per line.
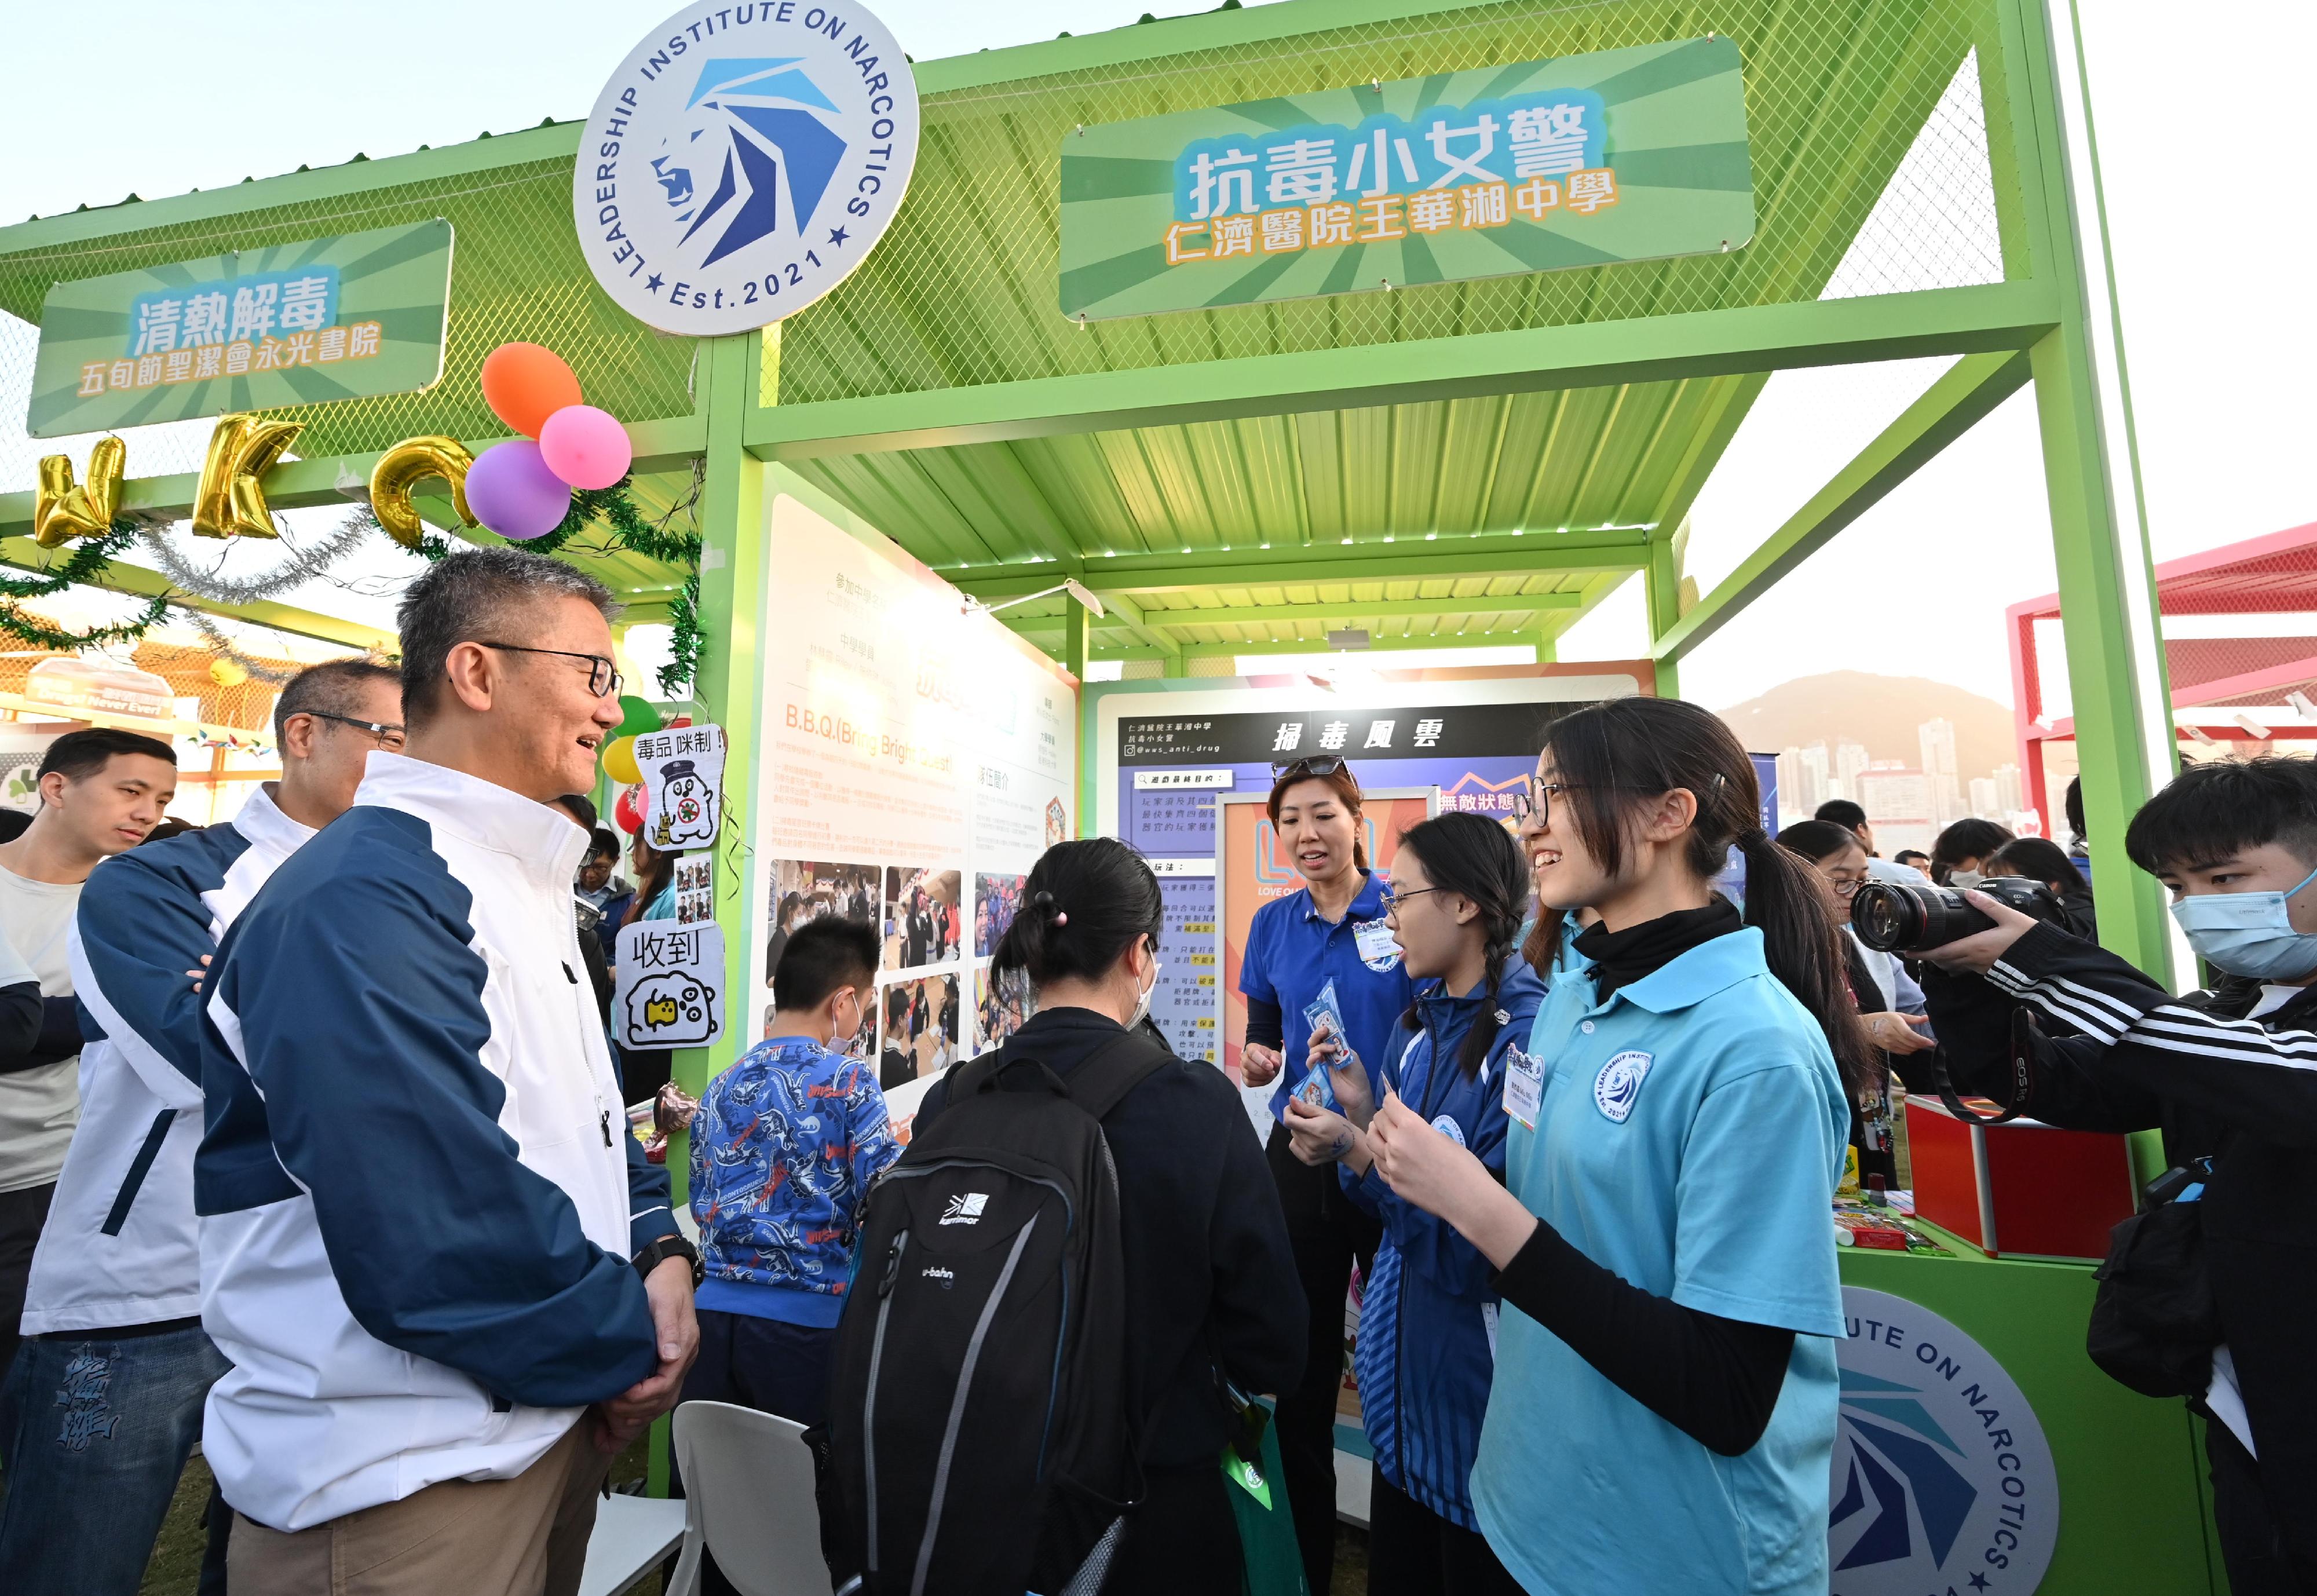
61	511
405	465
231	501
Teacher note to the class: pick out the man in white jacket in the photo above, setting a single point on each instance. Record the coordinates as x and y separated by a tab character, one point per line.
104	1401
449	1286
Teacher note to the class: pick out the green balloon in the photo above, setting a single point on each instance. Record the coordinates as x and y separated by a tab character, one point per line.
635	716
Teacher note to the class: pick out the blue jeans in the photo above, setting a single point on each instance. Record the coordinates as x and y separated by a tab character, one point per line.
95	1432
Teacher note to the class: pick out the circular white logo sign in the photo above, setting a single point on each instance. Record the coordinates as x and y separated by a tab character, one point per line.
1942	1478
742	161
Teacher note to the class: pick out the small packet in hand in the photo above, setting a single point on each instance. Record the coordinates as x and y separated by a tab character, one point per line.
1325	1018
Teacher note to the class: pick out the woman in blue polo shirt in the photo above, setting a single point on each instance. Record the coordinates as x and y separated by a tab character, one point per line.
1429	1316
1331	928
1664	1408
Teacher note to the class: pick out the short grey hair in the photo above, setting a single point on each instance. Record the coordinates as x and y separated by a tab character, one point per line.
329	689
473	596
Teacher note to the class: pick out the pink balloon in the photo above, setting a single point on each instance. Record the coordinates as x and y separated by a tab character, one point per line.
511	491
586	446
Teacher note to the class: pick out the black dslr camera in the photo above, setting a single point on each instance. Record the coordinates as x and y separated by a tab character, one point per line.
1893	918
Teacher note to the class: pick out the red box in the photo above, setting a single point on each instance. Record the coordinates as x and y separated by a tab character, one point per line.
2022	1189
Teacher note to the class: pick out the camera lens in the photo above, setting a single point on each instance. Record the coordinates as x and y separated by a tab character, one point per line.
1886	916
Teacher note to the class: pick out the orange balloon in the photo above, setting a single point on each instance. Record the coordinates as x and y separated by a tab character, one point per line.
525	383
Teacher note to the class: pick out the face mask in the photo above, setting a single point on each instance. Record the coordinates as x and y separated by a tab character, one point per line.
1963	880
2248	933
1142	999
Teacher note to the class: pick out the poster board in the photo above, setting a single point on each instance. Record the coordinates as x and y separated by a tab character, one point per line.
1164	753
916	759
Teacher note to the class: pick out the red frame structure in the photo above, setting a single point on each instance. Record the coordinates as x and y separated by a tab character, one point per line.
2213	680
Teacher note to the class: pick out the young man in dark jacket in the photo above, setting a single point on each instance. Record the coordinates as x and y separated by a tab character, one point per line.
2229	1074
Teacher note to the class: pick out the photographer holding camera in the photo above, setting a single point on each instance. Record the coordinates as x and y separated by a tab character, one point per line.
2211	1294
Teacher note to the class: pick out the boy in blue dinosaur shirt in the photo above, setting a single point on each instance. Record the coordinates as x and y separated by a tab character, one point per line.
783	1151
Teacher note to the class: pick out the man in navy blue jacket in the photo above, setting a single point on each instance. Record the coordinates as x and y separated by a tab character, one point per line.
103	1403
450	1286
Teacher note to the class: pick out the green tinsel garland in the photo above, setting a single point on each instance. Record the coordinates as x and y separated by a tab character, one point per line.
611	506
630	531
85	565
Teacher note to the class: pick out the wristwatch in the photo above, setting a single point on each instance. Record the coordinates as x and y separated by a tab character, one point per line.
665	1248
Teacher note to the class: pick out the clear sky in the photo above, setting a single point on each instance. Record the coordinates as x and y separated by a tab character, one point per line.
2202	129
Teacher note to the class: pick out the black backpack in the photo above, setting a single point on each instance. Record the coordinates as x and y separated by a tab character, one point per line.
979	1434
2154	1319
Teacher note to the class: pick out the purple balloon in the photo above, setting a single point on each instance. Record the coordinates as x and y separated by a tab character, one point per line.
511	491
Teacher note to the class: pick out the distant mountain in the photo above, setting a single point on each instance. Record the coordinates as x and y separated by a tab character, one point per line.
1881	713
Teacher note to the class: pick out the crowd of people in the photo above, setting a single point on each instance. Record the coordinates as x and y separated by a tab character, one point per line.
311	1151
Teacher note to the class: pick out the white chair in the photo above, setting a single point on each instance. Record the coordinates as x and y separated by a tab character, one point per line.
747	1485
632	1536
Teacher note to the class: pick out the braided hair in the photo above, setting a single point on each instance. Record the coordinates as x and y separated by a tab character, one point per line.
1477	859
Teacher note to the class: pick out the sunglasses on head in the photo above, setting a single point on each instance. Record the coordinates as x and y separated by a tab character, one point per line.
1324	765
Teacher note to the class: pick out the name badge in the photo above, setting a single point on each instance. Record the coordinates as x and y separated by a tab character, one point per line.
1524	1085
1377	950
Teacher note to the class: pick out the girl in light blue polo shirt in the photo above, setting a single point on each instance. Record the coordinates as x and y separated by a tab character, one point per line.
1664	1408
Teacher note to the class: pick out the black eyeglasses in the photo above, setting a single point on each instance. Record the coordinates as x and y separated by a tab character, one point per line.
1536	800
1322	765
390	736
1392	899
602	676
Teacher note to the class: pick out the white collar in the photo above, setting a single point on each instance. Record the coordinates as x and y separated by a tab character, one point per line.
547	843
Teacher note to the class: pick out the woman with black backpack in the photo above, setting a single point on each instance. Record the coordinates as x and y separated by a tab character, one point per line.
1209	1282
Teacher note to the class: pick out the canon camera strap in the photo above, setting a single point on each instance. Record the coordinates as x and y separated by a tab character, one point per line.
2024	1033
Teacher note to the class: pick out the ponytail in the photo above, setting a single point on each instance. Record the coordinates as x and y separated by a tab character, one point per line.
1084	905
1612	754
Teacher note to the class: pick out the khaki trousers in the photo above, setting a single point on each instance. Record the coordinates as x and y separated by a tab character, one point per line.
522	1536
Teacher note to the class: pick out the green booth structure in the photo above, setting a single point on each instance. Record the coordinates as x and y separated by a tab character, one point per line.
1472	436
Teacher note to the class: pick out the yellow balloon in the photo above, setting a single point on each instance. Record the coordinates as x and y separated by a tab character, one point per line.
225	673
402	468
620	761
61	511
231	501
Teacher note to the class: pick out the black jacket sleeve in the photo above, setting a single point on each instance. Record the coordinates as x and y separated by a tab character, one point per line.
57	1035
2140	1049
20	1024
1715	1379
1265	1028
2068	1084
1259	1312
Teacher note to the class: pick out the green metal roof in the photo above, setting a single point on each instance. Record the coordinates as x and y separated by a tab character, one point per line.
962	293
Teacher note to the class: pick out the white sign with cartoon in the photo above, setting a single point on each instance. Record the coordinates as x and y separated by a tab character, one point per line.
684	786
670	992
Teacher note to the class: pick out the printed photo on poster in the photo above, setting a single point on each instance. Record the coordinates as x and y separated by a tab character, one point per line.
1001	1007
920	1030
996	899
804	890
695	889
921	917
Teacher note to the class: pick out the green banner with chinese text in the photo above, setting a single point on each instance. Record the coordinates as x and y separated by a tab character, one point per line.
291	324
1626	155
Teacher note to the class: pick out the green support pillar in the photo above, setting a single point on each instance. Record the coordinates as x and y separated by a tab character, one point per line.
1077	632
2121	700
732	564
731	606
1547	647
1173	667
1662	589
